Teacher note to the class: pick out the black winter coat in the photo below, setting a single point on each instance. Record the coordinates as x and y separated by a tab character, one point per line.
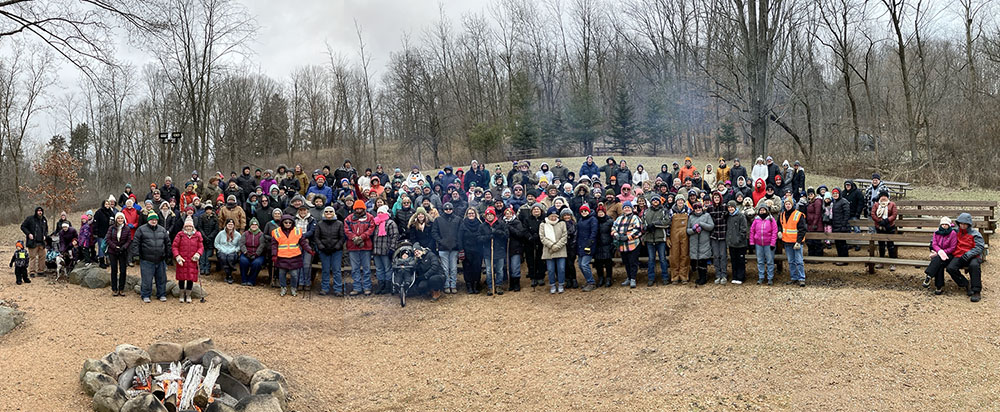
37	227
402	220
736	172
329	236
517	237
856	201
118	247
424	237
841	216
586	236
103	219
444	230
151	243
605	244
428	265
209	228
472	236
498	234
531	225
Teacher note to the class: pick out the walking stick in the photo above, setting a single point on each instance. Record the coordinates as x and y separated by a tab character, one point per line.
493	273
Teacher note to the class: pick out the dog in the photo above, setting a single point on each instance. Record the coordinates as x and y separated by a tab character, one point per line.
60	268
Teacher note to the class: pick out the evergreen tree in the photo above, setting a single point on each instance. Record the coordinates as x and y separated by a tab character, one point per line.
623	131
584	119
655	127
727	137
523	128
484	138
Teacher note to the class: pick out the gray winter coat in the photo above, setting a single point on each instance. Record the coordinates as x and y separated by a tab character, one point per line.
699	244
737	232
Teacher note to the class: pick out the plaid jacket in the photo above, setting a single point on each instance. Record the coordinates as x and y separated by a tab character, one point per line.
386	245
719	215
627	231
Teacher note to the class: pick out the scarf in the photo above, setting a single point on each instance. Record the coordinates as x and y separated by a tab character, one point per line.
256	231
380	221
121	233
883	210
944	232
471	225
550	230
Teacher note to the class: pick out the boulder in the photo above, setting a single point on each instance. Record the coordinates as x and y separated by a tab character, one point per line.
165	352
219	407
222	357
137	288
96	279
131	281
274	389
194	349
116	362
94	381
258	403
243	368
132	355
96	366
76	275
267	375
9	319
196	292
109	398
144	403
170	285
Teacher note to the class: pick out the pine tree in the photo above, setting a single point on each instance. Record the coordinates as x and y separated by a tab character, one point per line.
727	137
655	127
484	138
523	128
584	119
623	130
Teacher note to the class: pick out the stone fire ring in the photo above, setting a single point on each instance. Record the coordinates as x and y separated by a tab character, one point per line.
253	386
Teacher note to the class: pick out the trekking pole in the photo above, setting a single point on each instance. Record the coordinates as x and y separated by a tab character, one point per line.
493	273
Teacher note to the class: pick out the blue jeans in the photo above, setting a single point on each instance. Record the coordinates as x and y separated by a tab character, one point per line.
228	262
102	246
557	270
655	248
449	261
331	265
588	272
765	256
383	268
361	269
286	276
150	271
796	267
497	268
250	269
305	274
514	268
203	264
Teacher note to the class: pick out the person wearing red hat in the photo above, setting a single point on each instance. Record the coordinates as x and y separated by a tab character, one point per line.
359	228
497	249
604	249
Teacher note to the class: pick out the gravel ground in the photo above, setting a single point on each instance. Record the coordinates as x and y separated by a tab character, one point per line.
849	341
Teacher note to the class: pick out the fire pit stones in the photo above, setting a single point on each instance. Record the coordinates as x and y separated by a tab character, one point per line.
242	378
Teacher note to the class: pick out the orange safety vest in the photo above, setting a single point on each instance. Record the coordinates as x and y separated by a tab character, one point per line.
288	246
790	226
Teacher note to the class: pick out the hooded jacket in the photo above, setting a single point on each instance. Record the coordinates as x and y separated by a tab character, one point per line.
855	198
737	230
970	242
37	227
444	230
759	190
700	246
656	224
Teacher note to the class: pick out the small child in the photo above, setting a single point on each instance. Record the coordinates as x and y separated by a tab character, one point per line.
20	263
71	255
828	215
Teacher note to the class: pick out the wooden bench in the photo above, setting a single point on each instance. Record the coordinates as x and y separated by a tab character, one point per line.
898	189
519	154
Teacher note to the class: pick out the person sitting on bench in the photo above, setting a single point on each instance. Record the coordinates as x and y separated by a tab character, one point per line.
968	255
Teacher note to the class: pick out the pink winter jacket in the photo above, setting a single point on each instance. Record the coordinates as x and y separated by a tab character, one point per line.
946	243
763	232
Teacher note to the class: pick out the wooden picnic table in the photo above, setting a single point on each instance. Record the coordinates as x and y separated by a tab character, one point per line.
897	188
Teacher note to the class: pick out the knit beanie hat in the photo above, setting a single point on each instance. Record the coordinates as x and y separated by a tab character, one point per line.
152	216
566	212
584	208
732	204
382	209
552	211
827	196
358	204
609	192
945	221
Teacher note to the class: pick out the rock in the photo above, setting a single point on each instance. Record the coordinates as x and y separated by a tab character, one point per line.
196	292
132	355
76	276
97	366
243	368
109	398
258	403
170	285
137	288
219	407
96	279
222	357
94	381
116	363
165	352
267	375
194	349
9	319
131	281
273	388
144	403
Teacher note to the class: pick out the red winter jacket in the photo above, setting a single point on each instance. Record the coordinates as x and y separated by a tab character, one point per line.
186	246
364	228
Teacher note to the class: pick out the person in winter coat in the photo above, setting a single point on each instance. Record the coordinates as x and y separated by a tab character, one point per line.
604	247
532	222
759	190
517	237
553	236
329	243
656	233
427	271
118	240
359	229
151	244
874	192
665	176
841	221
737	171
472	234
67	235
35	228
686	171
763	235
943	244
288	243
626	232
581	196
969	256
232	211
567	217
884	215
586	245
211	190
589	168
680	258
609	169
252	246
321	189
444	230
209	227
792	228
419	229
708	178
722	171
495	252
759	171
737	233
699	229
855	198
640	176
187	247
814	223
720	215
385	241
86	238
227	248
305	222
103	219
19	261
560	171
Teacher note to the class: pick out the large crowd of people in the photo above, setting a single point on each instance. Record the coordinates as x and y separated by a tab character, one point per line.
547	223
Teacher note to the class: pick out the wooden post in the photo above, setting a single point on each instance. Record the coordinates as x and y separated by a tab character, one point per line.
871	253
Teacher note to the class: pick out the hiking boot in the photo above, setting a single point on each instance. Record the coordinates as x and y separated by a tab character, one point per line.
499	291
552	289
975	297
626	282
26	280
938	291
802	283
770	282
187	298
588	287
338	294
790	282
489	292
145	300
666	281
229	279
927	281
353	293
968	288
534	282
607	282
561	289
285	291
650	282
631	284
468	290
435	295
760	281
